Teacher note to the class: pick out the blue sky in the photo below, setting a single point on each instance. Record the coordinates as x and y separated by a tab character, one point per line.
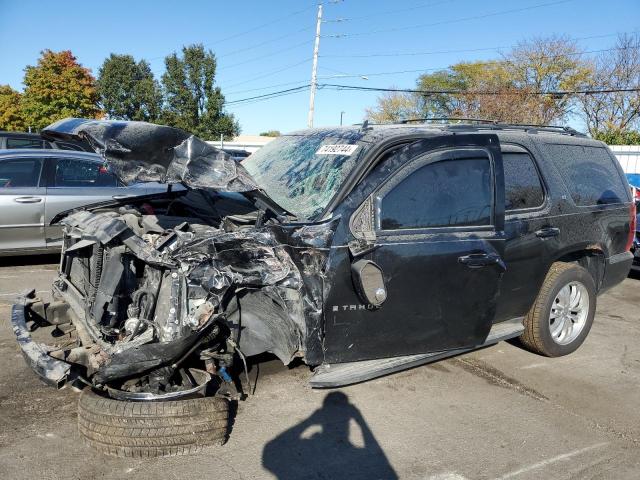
267	46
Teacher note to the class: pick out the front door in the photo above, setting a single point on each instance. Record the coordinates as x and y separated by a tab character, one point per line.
22	203
438	223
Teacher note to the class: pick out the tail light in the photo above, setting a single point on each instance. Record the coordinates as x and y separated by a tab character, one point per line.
636	194
632	225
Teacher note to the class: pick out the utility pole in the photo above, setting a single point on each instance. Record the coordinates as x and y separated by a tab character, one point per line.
341	114
314	69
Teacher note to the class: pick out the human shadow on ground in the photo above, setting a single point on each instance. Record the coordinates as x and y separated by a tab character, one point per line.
320	446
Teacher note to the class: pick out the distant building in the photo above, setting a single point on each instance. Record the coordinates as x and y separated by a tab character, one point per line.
628	156
248	143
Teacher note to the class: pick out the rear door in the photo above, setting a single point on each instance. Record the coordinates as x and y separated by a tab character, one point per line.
22	203
75	182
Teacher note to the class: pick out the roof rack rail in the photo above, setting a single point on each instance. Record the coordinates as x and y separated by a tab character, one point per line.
448	119
495	124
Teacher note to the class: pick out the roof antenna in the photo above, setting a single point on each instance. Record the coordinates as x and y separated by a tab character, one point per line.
365	124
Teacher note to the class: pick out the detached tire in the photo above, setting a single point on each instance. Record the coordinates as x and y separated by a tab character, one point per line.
561	317
151	429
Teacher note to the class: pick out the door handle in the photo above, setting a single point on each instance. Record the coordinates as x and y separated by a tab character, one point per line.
27	199
479	260
548	232
120	197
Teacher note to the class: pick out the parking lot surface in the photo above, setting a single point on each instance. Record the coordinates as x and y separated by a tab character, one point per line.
497	413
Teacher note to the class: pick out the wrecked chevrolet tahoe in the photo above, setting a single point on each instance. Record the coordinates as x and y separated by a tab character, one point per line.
360	251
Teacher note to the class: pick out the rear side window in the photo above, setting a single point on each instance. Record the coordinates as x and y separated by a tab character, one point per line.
590	174
449	193
24	143
69	146
24	172
82	173
523	188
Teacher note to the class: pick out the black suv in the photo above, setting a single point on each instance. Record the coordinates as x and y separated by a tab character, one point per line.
361	250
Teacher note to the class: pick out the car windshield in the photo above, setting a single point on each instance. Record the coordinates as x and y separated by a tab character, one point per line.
303	172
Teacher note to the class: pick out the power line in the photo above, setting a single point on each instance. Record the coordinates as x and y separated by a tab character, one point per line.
244	62
251	47
266	87
480	92
464	50
258	27
485	62
388	12
273	72
448	22
339	87
268	96
251	30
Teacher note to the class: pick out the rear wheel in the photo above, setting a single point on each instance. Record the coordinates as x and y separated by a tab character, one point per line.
151	429
562	315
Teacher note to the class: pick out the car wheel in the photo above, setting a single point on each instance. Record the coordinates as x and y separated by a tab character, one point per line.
151	429
562	314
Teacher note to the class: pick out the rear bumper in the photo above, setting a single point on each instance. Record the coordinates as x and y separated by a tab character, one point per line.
51	371
616	269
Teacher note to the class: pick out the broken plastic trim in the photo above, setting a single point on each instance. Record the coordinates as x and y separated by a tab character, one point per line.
51	371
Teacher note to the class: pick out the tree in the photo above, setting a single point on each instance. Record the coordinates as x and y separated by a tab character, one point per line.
11	117
271	133
394	107
58	87
610	116
506	90
193	102
127	90
548	65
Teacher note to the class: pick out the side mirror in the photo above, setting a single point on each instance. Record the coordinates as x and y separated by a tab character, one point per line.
369	282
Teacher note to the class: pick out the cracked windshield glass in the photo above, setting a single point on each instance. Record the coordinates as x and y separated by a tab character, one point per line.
302	172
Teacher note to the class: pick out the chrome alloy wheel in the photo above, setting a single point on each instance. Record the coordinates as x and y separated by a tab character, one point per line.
569	313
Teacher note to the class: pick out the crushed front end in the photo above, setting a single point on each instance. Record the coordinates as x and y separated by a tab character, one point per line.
166	296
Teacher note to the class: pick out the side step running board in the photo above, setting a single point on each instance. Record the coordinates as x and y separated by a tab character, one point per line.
340	374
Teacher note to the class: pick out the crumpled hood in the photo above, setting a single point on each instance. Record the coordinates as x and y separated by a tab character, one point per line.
145	152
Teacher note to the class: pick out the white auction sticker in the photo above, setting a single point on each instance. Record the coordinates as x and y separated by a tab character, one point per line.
337	149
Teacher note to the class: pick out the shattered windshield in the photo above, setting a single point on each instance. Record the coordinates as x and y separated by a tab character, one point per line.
302	172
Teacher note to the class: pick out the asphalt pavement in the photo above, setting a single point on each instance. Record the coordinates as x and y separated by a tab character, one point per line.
497	413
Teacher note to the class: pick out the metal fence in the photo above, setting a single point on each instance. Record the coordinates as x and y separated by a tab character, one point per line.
628	156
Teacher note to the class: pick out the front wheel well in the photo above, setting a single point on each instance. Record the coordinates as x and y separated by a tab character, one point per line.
592	260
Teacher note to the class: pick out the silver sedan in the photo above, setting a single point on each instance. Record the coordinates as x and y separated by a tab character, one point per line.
36	185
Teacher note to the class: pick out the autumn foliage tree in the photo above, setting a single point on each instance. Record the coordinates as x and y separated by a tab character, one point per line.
58	87
509	89
11	117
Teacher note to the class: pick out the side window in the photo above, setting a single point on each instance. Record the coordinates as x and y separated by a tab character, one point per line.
24	143
522	185
448	193
590	174
69	146
24	172
72	172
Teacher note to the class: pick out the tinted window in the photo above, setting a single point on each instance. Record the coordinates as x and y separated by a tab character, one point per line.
20	173
590	174
82	173
442	194
24	143
522	185
69	146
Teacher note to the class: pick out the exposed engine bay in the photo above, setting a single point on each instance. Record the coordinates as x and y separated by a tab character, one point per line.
156	296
